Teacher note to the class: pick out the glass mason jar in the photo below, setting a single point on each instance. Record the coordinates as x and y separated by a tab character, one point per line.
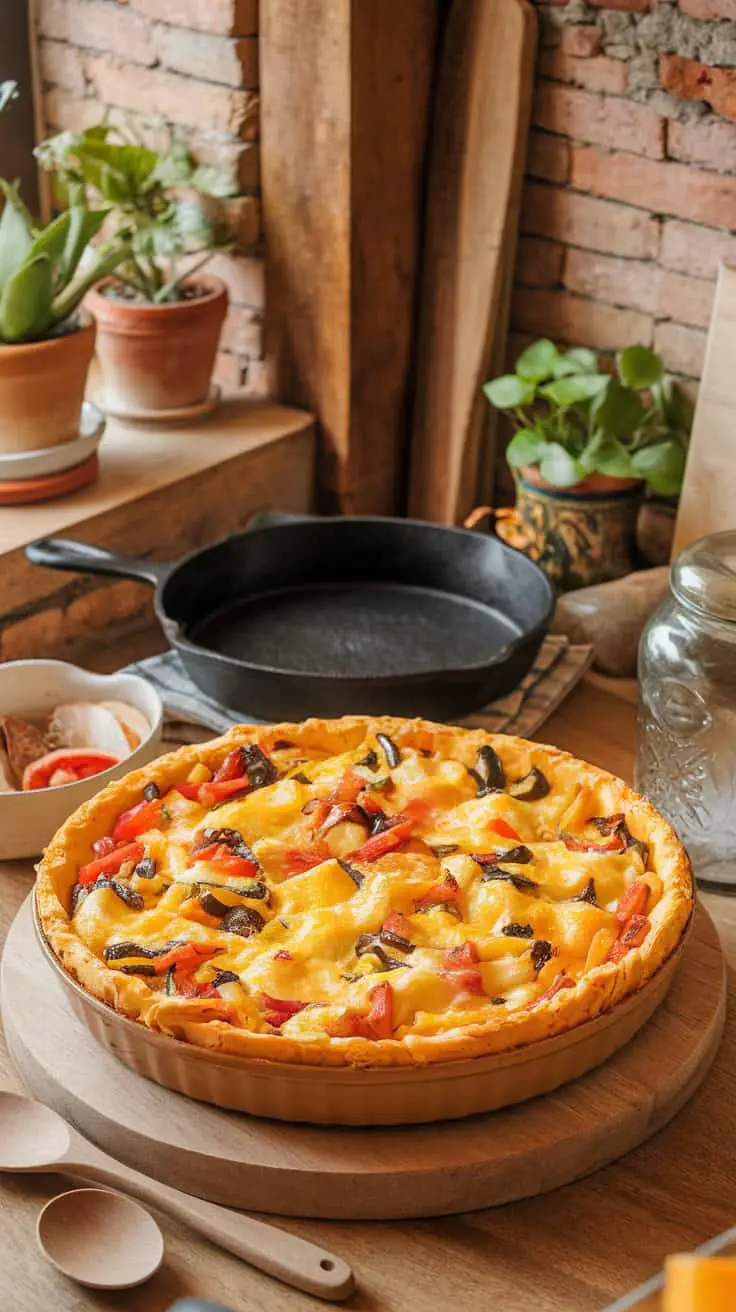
686	748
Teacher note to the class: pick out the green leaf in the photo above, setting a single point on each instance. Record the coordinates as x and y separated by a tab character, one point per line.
675	406
538	361
558	467
16	237
25	305
610	457
618	410
577	361
51	240
662	465
508	392
210	182
84	224
565	392
526	448
638	367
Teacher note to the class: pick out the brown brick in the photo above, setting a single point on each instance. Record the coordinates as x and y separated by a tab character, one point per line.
578	321
597	74
99	25
221	17
538	262
243	214
228	371
61	65
710	142
688	248
628	283
595	224
585	116
694	81
237	160
65	113
582	42
150	91
244	277
548	156
709	8
242	332
682	349
686	300
211	58
665	188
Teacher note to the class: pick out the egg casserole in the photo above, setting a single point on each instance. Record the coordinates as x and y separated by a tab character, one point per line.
366	892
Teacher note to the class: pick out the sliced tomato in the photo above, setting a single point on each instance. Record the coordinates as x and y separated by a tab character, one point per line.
184	954
371	806
348	789
561	981
70	764
138	820
379	1022
576	843
633	901
297	860
214	790
439	894
461	968
223	857
387	841
502	827
110	863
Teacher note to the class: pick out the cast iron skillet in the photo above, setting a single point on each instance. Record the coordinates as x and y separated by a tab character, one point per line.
298	616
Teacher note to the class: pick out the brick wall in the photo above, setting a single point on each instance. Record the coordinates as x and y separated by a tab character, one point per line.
196	63
630	198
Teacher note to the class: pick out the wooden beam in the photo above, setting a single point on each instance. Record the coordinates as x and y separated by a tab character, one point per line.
346	88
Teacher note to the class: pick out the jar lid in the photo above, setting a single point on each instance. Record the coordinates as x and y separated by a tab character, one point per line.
704	576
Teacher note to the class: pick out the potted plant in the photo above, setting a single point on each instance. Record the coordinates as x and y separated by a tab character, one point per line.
159	318
587	447
46	340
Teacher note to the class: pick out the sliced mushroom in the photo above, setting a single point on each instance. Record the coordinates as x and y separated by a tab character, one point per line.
389	749
488	773
531	787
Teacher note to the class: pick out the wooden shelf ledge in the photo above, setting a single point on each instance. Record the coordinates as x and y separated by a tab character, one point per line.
162	491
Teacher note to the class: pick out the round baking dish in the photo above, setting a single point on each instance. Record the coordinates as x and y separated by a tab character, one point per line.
328	1095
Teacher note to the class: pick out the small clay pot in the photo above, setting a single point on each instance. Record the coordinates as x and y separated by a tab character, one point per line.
158	357
42	388
580	535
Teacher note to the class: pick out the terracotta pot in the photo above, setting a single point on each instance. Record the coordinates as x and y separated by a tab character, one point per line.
580	535
42	388
158	357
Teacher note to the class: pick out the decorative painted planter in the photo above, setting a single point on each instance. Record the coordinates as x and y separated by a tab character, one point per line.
579	535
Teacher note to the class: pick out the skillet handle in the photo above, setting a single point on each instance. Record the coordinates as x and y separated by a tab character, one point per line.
83	558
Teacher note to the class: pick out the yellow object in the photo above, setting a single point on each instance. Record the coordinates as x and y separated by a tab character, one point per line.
699	1284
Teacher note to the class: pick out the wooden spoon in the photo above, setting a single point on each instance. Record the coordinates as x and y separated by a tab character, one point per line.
35	1138
100	1239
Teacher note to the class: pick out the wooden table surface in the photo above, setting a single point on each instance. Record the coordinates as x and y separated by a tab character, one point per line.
573	1250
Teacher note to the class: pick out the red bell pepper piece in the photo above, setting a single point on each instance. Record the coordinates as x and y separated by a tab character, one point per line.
632	935
214	790
233	766
461	968
138	820
348	789
371	806
282	955
387	841
280	1009
110	863
221	856
297	860
397	923
500	826
438	894
633	902
379	1024
561	981
184	954
574	843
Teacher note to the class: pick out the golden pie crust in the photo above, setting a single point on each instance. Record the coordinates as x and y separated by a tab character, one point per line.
305	951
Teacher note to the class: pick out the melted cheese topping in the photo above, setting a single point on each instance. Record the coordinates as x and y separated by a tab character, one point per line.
309	962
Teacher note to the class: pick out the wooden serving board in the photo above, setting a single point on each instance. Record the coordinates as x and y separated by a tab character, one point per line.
363	1174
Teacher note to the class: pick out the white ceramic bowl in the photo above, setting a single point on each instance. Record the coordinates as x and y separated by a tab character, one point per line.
32	689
